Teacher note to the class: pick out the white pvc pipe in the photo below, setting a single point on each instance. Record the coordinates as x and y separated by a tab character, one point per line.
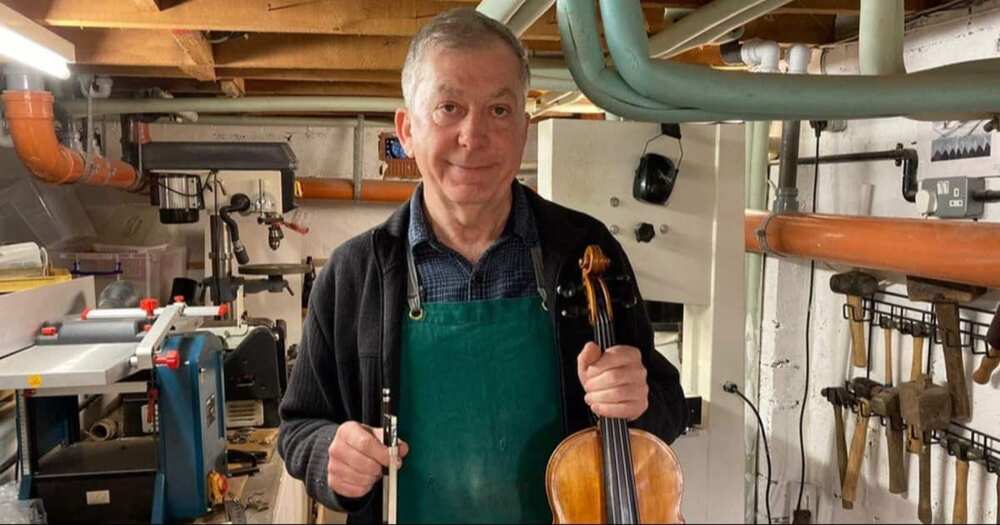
762	56
799	57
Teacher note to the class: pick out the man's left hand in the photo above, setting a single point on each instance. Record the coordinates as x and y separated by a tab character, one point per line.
614	382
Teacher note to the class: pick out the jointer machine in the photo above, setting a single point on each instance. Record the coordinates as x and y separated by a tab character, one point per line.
180	373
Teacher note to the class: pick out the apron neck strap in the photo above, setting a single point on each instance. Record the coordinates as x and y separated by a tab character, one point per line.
413	281
536	264
412	286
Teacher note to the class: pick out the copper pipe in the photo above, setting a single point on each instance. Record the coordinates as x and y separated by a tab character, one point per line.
343	190
30	120
961	252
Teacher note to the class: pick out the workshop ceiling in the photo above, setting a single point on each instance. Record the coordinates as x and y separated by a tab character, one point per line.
318	47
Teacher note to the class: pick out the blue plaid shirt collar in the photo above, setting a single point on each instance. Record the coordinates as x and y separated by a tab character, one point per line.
520	222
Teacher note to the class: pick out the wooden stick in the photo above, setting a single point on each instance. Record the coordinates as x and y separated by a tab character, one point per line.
887	332
960	508
856	455
841	441
924	507
858	357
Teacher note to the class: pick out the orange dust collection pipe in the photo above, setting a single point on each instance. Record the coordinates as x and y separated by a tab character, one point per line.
389	191
29	118
961	252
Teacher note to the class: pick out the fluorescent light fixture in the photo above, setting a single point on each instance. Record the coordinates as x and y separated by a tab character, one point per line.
28	43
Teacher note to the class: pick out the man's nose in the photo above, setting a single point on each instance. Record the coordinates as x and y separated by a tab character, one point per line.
474	131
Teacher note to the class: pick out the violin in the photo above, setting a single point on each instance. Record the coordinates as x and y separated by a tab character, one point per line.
611	473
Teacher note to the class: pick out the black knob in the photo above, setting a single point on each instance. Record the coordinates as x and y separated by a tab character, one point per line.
644	232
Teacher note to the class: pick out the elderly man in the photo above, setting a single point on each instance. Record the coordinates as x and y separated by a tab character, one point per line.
451	304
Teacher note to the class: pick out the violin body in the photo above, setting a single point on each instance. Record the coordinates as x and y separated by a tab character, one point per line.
611	473
573	479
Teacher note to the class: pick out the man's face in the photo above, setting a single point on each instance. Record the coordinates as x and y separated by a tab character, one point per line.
466	124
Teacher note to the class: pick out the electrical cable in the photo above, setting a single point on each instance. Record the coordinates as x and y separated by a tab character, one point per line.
733	389
818	126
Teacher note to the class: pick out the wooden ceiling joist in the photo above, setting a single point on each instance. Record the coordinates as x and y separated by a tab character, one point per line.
149	6
233	87
141	47
199	51
331	17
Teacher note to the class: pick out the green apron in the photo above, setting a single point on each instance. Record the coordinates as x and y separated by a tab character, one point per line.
480	406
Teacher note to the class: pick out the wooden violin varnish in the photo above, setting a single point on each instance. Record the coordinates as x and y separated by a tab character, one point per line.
611	473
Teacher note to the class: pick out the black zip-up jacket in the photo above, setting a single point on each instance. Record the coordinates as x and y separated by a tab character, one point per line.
351	341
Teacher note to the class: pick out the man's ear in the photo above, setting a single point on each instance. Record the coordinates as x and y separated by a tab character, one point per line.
403	130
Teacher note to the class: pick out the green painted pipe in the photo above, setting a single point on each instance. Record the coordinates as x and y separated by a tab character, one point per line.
880	37
529	12
784	96
708	23
756	198
604	86
500	10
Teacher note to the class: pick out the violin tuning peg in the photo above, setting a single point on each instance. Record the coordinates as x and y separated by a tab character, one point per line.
568	291
572	312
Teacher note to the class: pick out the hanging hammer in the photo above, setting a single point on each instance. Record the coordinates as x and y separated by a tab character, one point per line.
839	398
992	358
926	407
855	285
945	297
885	403
962	450
918	331
861	388
887	325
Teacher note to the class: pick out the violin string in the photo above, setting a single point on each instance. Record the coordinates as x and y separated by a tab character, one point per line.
626	453
614	468
622	450
619	443
630	474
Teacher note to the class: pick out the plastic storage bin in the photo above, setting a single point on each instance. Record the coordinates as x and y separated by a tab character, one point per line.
150	270
48	214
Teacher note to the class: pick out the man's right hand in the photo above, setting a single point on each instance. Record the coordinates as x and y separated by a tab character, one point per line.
357	456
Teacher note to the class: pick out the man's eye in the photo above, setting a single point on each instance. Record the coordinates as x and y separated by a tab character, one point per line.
500	111
449	108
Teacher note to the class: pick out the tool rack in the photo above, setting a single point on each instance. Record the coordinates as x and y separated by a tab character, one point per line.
978	446
906	319
981	447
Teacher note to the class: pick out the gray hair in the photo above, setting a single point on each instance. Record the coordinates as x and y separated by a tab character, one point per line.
459	28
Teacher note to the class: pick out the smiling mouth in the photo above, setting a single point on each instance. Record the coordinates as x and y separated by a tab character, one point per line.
464	167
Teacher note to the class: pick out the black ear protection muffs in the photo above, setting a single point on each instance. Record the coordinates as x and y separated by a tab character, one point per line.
654	179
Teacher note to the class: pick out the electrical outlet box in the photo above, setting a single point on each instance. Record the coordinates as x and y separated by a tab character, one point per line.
951	197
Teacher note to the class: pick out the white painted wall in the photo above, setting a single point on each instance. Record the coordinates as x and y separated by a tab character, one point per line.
699	262
782	364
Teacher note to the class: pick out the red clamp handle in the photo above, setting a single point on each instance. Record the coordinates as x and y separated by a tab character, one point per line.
149	305
170	359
